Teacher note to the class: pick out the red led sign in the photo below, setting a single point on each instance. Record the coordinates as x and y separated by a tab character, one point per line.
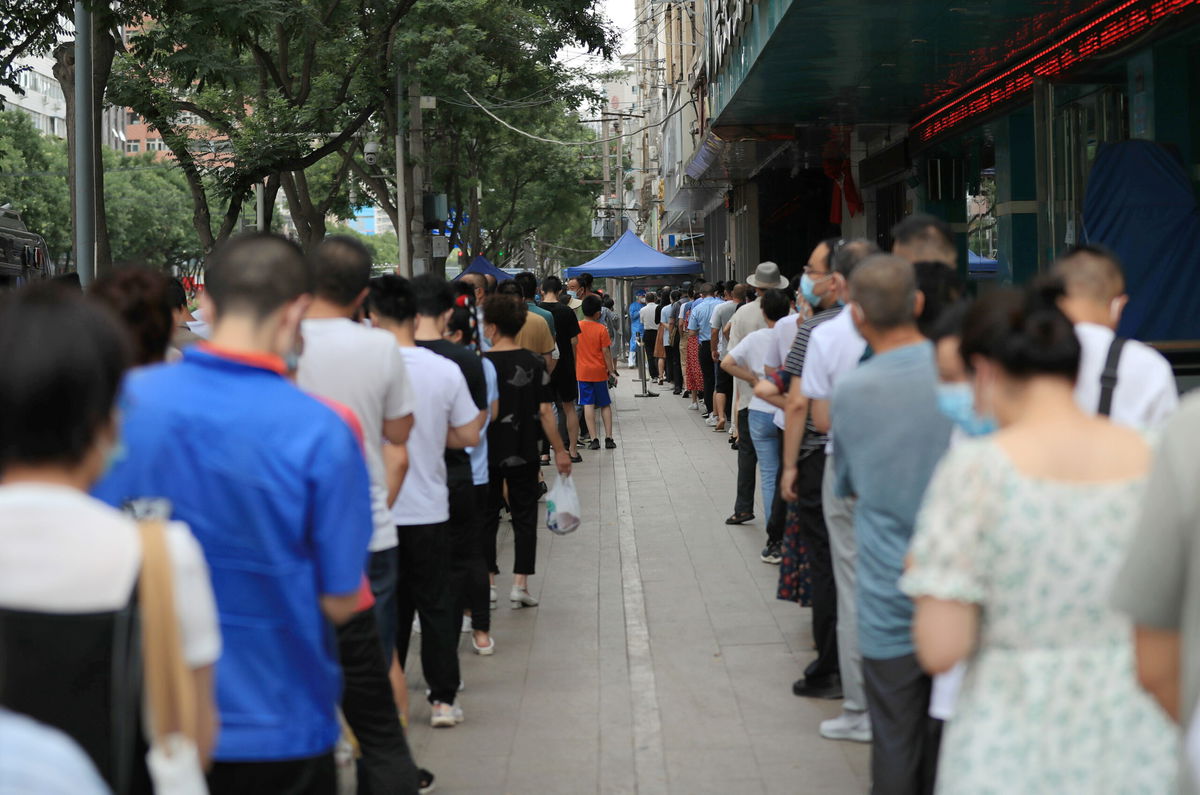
1116	26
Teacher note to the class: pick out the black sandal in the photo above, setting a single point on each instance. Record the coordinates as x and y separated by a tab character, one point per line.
740	518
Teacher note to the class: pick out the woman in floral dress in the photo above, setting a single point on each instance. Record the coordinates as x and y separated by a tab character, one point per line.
1017	545
693	379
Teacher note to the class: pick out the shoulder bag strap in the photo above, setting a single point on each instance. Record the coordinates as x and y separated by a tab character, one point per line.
1108	378
170	691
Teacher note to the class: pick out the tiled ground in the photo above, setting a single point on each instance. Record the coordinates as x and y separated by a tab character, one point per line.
576	701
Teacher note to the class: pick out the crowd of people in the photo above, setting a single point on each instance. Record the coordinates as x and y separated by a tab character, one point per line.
325	458
999	565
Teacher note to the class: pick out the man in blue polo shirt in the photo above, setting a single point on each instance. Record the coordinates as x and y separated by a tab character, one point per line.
699	325
275	488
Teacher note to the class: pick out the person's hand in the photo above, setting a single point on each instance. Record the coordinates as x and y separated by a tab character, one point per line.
562	462
787	483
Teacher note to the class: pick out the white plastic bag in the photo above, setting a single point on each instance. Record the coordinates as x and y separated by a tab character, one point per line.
562	507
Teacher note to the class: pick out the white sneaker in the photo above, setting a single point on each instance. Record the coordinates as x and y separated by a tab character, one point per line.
456	710
711	421
694	406
484	651
492	595
442	716
521	598
848	726
466	624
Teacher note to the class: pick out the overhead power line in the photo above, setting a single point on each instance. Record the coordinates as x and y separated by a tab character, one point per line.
543	139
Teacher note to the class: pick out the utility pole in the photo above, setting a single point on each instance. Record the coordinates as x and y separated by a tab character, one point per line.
420	239
606	172
85	151
404	264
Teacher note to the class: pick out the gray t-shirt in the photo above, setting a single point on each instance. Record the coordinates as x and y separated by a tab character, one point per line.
888	436
1159	585
720	316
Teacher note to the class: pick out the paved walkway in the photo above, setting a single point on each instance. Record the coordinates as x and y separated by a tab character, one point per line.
659	660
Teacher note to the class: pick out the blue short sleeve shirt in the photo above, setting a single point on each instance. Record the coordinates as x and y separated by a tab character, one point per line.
701	318
274	486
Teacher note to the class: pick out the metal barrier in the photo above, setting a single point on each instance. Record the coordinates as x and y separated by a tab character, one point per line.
639	353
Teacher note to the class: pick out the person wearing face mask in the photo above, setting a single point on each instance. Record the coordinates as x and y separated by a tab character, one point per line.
1018	541
279	481
956	393
885	459
1143	393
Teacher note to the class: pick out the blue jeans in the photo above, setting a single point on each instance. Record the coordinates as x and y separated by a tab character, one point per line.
766	446
382	570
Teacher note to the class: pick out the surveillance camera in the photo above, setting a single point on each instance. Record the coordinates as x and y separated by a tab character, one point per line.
371	153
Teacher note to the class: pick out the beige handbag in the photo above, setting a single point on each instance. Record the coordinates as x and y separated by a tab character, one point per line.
170	694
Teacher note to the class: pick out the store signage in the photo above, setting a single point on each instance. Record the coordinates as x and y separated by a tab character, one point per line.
727	19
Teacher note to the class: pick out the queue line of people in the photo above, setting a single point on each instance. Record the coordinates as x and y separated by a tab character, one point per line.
995	557
330	454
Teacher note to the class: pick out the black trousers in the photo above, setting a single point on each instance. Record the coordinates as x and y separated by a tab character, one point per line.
649	340
523	506
709	374
474	592
387	765
316	775
815	536
424	586
746	466
905	740
776	516
674	371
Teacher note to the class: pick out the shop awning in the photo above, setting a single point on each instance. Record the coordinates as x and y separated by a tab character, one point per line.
630	257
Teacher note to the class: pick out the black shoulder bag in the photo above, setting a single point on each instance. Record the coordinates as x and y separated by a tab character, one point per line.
1108	378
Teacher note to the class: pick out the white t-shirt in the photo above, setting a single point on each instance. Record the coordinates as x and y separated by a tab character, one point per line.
199	327
747	319
362	369
62	551
784	335
442	402
1145	395
750	353
647	315
834	349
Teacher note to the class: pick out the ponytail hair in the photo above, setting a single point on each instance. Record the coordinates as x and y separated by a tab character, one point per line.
1023	331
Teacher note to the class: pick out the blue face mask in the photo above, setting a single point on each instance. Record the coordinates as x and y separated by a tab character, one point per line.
957	401
807	288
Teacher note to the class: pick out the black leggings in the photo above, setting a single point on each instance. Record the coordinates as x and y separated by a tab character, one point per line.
474	594
523	506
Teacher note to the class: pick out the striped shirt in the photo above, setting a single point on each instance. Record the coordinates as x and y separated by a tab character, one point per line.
794	366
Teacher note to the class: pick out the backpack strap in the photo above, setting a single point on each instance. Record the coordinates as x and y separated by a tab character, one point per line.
1108	378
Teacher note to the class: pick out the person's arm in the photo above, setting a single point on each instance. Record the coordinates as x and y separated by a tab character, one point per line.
731	366
1158	666
207	718
609	365
399	401
395	469
795	418
397	430
465	435
562	459
821	417
339	608
944	633
341	521
766	390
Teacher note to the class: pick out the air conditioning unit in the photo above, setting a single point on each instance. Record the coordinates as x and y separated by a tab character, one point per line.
653	153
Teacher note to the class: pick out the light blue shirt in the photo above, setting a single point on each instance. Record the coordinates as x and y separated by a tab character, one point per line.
479	453
888	436
42	760
701	316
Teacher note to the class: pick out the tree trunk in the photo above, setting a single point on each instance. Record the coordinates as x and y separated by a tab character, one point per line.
104	48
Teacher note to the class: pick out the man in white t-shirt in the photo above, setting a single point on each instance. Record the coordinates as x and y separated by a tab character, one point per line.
360	368
745	361
446	417
650	333
1145	393
834	349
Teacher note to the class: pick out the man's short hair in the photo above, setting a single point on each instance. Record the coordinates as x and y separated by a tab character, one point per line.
528	284
591	305
256	274
432	295
850	255
476	280
139	297
924	230
1091	272
586	280
489	283
391	297
774	304
61	361
510	287
341	269
506	312
739	291
176	294
885	287
552	284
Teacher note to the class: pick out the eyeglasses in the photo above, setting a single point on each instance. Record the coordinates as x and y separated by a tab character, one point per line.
809	270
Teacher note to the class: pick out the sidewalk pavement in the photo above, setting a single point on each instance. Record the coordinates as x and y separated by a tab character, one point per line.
659	660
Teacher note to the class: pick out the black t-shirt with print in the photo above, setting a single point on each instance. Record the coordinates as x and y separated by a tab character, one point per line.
515	434
566	328
458	462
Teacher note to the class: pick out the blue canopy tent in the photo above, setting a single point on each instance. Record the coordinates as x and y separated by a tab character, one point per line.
979	265
629	257
481	265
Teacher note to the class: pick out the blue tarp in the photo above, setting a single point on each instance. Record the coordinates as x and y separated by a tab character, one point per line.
980	262
629	256
1140	204
481	265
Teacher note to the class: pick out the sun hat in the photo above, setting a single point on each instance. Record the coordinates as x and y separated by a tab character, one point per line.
767	276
